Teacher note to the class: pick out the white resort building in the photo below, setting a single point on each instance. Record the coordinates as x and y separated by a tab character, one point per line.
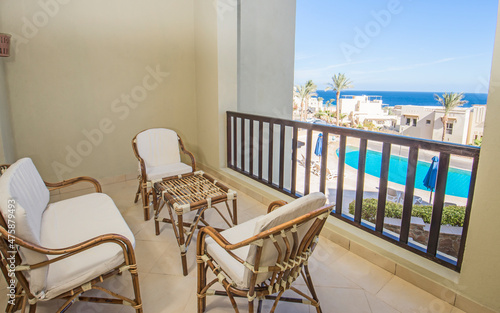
464	124
361	109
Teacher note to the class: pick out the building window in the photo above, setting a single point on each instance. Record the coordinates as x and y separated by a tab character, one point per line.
428	122
449	128
411	121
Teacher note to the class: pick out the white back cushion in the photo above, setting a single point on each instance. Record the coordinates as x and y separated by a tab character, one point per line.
277	217
158	146
22	184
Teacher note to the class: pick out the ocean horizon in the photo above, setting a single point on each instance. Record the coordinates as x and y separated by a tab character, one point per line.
393	98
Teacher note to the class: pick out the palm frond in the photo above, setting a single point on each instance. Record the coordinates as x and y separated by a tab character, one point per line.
451	100
339	83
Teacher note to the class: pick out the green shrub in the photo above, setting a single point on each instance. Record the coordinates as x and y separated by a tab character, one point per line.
452	215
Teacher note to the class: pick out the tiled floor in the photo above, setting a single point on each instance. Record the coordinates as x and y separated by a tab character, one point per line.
345	282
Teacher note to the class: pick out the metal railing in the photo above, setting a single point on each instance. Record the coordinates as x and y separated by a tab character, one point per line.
265	149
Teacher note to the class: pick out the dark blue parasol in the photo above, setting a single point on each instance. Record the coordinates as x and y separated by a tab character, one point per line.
318	150
431	176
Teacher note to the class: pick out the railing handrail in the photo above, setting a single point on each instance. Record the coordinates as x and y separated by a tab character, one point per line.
425	144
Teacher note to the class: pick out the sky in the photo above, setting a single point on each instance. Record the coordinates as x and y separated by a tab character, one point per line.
397	45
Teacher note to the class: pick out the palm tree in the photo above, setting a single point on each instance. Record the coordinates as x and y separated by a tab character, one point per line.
449	101
339	83
303	93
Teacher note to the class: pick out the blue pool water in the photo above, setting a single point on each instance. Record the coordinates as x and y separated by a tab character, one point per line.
457	183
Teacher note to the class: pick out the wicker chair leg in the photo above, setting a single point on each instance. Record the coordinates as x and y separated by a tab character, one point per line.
202	282
310	286
145	201
138	192
276	301
137	291
250	306
32	308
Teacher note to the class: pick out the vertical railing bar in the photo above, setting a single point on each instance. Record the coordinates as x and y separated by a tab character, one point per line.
437	208
465	228
324	159
340	174
360	185
307	179
382	187
281	165
294	159
228	140
235	142
408	200
261	144
242	133
250	147
270	159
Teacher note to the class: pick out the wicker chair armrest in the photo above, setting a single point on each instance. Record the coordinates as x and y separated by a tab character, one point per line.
66	252
275	204
218	238
141	160
214	234
183	149
224	243
72	181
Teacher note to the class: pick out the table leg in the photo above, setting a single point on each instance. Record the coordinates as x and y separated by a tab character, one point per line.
235	213
156	207
180	224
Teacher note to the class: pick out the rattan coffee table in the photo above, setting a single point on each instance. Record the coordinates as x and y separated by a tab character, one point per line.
190	192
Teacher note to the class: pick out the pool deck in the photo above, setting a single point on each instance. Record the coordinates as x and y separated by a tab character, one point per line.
371	182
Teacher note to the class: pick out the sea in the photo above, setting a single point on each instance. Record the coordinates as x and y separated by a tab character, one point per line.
392	98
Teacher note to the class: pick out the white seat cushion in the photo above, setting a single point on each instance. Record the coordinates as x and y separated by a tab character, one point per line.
159	172
69	222
234	269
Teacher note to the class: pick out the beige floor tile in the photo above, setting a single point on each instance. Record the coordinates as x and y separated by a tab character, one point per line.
148	252
215	304
379	306
135	219
457	310
123	194
167	293
170	262
148	232
365	274
324	275
222	304
342	300
405	297
328	252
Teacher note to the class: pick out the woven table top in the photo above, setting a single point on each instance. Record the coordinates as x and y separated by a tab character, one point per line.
193	189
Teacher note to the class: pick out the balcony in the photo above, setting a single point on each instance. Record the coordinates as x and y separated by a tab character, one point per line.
76	89
345	282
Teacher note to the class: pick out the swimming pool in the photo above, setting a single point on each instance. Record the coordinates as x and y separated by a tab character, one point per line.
457	183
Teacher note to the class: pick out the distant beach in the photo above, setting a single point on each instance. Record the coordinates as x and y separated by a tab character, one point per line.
393	98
